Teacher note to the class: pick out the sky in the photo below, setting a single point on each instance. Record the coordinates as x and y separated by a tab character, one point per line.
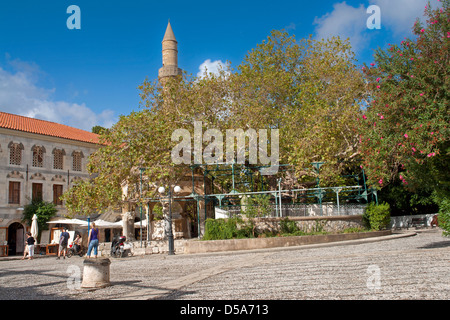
90	76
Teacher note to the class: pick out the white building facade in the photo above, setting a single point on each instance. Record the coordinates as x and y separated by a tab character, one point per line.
38	160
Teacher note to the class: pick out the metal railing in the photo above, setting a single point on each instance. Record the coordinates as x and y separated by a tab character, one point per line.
302	210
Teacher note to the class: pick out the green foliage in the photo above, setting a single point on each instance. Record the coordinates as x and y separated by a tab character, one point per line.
405	127
98	129
403	201
404	134
221	229
157	211
44	212
288	226
377	217
258	206
444	214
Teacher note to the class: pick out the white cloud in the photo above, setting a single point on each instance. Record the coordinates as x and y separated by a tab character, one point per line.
344	21
209	66
20	94
399	15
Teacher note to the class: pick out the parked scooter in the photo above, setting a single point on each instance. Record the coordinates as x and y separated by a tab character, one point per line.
120	247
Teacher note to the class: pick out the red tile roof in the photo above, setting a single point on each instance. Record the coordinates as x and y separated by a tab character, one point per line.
47	128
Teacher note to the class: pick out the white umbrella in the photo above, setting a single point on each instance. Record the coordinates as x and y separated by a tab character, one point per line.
107	224
138	224
69	221
34	227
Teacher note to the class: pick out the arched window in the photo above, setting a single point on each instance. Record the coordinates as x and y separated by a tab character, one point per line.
38	156
58	159
15	153
77	155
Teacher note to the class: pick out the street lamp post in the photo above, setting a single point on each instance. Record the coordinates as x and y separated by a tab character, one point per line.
161	190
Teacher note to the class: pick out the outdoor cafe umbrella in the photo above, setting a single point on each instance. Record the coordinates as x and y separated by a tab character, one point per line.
69	221
34	227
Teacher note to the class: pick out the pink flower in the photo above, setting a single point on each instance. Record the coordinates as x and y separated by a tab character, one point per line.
431	132
380	181
412	59
378	87
364	117
381	117
414	149
406	136
422	94
378	79
372	64
401	177
422	30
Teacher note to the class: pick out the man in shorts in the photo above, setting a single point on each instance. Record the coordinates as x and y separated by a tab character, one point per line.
63	242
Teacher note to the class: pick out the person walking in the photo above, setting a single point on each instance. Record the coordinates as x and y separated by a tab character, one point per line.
63	242
30	246
93	241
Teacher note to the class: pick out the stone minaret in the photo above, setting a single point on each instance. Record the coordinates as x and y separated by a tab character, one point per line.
169	56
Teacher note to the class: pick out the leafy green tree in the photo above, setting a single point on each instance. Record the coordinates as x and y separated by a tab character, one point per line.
44	212
405	130
97	129
310	90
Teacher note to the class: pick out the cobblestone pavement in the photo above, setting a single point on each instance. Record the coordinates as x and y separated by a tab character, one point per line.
413	267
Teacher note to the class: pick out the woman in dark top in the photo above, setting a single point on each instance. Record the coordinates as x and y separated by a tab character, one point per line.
30	244
93	241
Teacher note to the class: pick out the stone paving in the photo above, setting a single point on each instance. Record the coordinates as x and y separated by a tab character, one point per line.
392	268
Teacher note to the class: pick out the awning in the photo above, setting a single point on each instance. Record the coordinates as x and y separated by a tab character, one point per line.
107	224
69	221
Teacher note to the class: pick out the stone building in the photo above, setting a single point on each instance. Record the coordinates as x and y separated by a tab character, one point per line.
38	160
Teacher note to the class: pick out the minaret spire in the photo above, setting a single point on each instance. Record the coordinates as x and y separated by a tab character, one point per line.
169	55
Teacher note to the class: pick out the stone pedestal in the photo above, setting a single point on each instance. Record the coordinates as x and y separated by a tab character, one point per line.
96	273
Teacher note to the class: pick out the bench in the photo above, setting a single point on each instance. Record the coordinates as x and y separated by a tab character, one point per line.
415	222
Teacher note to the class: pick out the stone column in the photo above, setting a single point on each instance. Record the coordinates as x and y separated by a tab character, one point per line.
165	206
96	273
128	225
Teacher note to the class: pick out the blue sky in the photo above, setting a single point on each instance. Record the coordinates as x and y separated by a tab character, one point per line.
90	76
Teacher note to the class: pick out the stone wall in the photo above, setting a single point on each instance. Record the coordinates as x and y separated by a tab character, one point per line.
150	247
307	224
311	224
